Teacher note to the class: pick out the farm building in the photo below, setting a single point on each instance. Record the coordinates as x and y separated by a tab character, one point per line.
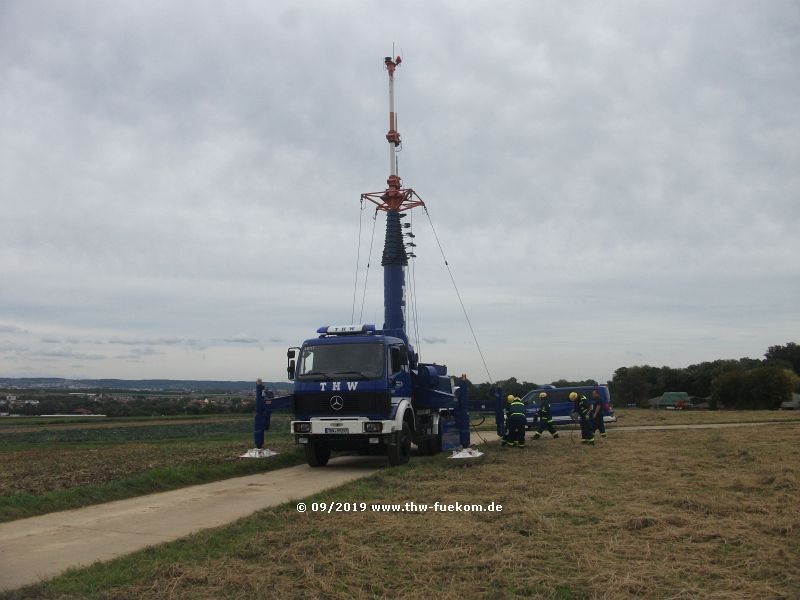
793	404
677	400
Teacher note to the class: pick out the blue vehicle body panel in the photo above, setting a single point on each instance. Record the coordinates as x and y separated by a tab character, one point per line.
433	389
560	404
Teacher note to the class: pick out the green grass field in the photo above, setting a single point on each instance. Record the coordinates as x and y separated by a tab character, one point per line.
45	467
656	514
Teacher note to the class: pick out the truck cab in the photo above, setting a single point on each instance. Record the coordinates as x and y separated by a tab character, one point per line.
360	389
352	391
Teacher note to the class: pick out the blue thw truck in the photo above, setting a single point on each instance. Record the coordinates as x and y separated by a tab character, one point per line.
363	388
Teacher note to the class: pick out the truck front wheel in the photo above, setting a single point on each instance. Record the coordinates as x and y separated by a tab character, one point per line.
317	454
400	452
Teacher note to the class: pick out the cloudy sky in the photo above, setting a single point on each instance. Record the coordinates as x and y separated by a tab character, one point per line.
613	183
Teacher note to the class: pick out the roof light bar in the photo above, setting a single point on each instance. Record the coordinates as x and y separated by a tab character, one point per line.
345	329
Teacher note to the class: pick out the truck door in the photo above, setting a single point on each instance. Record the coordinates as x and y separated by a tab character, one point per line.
399	376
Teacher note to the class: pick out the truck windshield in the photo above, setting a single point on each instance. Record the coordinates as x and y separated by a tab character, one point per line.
341	361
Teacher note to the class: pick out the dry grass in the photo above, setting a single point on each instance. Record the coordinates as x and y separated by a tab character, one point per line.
54	457
672	514
28	424
649	416
41	470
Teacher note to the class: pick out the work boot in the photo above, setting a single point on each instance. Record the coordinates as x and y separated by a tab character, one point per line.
591	441
537	435
603	434
555	435
584	441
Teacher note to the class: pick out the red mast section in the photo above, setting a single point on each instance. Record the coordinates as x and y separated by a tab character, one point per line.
395	198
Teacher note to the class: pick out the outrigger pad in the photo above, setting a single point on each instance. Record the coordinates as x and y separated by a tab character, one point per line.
466	453
258	453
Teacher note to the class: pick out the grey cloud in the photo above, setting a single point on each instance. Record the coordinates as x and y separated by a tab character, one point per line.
640	159
168	341
64	353
241	338
139	353
11	329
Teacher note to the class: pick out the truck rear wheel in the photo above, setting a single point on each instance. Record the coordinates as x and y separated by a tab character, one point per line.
399	453
317	454
435	445
431	446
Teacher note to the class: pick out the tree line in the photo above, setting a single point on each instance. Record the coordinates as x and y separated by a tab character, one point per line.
745	383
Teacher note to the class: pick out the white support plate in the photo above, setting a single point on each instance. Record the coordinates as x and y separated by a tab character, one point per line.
466	453
258	453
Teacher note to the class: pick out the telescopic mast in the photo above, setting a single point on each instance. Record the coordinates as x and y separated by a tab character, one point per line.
394	201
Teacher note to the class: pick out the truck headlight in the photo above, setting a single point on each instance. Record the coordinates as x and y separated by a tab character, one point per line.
302	427
373	427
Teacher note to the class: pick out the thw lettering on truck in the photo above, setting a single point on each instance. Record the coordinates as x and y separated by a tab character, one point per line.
336	386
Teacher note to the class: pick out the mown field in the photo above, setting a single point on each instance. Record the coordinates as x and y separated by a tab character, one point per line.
54	466
647	416
656	514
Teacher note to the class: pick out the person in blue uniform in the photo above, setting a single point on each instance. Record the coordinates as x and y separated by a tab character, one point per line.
545	418
515	422
582	407
598	411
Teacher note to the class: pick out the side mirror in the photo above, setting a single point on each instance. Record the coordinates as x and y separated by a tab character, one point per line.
290	370
290	353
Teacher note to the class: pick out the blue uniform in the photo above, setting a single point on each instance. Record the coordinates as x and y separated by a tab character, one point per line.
585	414
545	421
598	410
515	421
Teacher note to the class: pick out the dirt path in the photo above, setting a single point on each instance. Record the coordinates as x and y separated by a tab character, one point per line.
42	547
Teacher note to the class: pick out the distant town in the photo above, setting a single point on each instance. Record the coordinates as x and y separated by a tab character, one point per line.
123	398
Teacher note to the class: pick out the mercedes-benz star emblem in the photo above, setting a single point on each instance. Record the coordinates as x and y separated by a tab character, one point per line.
337	402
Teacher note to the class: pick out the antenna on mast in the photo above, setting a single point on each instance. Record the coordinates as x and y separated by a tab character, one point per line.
394	198
394	201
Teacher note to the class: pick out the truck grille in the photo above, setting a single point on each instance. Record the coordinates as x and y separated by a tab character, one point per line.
321	404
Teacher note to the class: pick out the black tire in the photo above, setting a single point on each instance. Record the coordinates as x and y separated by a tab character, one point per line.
400	453
433	445
317	454
427	447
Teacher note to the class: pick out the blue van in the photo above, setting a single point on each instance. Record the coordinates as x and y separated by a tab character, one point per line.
561	405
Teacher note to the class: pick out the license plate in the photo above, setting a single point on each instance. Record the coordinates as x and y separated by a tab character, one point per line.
337	430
